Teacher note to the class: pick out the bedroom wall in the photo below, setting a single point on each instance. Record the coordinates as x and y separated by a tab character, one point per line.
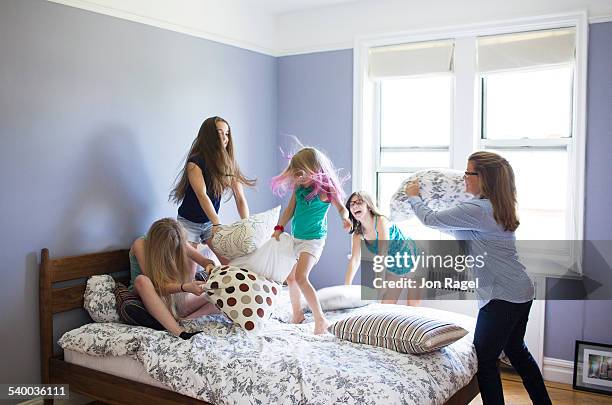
96	115
567	321
315	104
308	82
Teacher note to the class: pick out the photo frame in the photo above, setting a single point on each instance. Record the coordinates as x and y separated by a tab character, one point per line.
593	367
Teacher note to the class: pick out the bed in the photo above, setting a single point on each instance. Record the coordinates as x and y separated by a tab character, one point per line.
118	363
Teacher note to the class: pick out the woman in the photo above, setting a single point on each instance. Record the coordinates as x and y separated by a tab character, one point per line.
210	171
505	292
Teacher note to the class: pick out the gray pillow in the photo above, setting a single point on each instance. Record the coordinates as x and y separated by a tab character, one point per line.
403	333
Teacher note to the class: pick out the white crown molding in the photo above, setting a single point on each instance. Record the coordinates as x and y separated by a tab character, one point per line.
317	48
558	370
167	25
600	19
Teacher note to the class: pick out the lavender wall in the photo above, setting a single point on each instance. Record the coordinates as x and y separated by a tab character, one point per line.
315	104
591	320
308	84
96	114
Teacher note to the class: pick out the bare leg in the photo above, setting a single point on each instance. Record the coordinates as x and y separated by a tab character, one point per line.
191	304
304	265
295	295
155	305
391	295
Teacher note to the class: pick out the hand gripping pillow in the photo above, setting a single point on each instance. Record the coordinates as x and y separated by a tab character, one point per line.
99	299
244	236
246	298
439	189
274	260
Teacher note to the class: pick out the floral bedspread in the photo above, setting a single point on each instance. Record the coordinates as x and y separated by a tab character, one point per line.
285	364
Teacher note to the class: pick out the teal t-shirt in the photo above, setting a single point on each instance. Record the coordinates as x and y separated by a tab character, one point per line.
310	217
135	269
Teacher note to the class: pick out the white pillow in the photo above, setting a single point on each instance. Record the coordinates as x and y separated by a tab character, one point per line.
244	236
99	299
339	297
440	189
273	260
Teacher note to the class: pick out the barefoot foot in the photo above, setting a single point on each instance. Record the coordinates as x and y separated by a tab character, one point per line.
298	319
321	327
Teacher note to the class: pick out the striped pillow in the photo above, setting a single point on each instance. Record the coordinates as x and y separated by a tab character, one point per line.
403	333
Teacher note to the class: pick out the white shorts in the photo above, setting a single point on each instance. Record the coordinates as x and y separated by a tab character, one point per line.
313	247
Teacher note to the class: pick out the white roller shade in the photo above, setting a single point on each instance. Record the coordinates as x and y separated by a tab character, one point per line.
526	49
411	59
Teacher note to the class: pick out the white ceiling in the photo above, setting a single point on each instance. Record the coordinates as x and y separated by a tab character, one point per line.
289	6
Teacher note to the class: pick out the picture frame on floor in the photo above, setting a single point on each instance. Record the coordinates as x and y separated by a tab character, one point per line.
593	367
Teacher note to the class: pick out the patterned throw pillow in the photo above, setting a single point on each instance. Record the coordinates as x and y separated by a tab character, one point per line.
245	236
400	332
132	310
99	300
440	190
246	298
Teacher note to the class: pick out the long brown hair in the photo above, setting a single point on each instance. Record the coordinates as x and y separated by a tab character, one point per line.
497	184
166	258
356	225
221	166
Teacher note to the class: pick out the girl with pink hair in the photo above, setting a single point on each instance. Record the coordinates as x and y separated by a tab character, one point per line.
315	185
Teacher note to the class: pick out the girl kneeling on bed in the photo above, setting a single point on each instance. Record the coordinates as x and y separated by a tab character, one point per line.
162	265
370	226
316	186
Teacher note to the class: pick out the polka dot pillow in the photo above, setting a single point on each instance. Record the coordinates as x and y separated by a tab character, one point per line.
243	296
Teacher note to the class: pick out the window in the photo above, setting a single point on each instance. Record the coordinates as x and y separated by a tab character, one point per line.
518	93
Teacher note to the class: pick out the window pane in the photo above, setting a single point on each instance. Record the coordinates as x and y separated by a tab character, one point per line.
416	111
541	182
425	159
533	104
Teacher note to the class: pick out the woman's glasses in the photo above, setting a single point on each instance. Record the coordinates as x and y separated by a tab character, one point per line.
470	174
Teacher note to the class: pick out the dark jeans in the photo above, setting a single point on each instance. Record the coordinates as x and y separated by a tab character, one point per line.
501	326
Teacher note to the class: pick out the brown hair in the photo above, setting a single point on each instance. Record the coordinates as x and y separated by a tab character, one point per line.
497	184
356	225
220	162
166	258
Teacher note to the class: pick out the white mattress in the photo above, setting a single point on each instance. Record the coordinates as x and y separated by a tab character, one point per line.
120	366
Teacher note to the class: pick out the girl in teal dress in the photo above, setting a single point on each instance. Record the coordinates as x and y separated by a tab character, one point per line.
381	237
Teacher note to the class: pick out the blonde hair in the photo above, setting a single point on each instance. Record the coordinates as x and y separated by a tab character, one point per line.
356	225
317	167
166	259
222	170
497	184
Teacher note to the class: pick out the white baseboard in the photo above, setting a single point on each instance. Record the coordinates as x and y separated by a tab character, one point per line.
558	370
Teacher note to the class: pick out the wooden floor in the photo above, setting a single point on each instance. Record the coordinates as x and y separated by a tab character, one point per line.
560	394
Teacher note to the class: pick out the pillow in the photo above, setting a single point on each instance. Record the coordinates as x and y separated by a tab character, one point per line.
274	260
439	189
99	300
339	297
244	236
243	296
131	309
400	332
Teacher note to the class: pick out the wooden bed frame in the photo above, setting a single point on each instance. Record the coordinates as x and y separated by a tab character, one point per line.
96	384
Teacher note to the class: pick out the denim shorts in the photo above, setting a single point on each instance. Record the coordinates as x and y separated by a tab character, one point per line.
198	233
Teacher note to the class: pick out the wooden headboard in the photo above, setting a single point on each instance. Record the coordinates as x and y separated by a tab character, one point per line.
56	300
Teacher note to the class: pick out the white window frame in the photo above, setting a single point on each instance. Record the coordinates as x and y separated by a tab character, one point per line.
466	115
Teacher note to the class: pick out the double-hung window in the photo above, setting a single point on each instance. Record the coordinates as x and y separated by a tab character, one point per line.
431	101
